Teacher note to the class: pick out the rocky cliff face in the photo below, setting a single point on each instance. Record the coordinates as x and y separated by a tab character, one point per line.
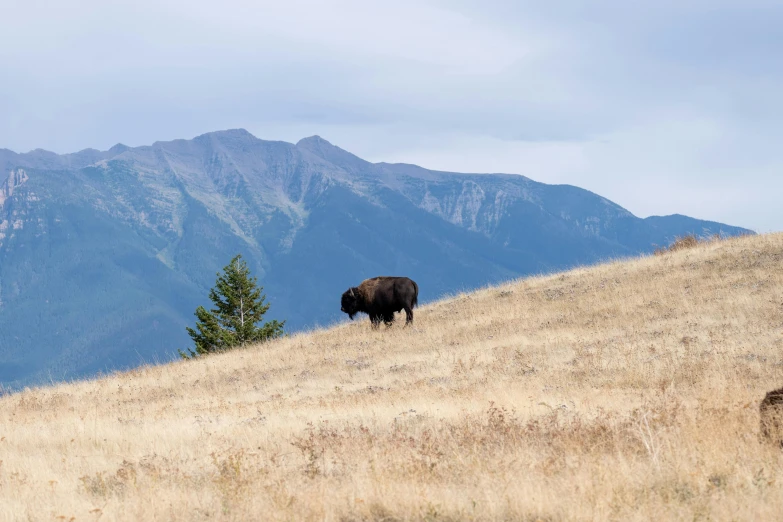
104	255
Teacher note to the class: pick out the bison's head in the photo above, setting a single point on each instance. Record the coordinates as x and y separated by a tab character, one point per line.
350	302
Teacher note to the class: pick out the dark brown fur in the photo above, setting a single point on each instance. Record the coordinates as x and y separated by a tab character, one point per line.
380	297
771	412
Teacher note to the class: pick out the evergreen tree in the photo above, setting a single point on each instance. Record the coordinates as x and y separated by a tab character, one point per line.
233	322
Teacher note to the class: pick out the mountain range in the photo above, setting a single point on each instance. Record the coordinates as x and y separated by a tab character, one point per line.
105	255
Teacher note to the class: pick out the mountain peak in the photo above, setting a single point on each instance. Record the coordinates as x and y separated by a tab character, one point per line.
313	141
119	148
228	134
323	149
234	133
43	153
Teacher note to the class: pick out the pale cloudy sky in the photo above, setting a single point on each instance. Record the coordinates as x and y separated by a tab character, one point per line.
662	106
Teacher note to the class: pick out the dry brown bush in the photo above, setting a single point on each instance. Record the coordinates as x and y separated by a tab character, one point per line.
627	391
685	242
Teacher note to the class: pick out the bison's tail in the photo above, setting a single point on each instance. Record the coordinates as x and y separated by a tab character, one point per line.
415	294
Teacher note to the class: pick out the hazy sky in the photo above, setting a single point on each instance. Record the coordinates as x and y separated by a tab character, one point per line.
662	106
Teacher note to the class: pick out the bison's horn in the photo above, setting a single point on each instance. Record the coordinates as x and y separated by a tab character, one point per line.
352	292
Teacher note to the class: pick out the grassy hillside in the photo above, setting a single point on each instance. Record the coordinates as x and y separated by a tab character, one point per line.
626	391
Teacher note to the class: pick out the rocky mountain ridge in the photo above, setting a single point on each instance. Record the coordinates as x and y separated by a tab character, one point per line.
104	255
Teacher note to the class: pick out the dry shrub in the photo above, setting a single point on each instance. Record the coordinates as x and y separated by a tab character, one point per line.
690	241
684	243
771	417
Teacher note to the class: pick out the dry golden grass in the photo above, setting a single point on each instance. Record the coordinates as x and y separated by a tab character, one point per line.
627	391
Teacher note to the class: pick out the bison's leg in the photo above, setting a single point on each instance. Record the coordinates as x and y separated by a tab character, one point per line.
375	321
388	319
408	315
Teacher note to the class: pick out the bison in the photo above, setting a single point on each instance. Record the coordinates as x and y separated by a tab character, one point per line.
771	411
380	297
